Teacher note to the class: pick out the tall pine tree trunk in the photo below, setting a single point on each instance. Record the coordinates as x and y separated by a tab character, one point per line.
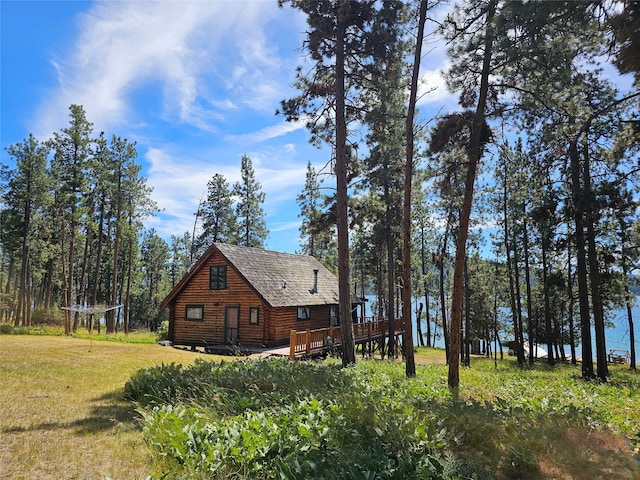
581	260
572	339
439	261
96	280
81	294
410	366
547	304
111	316
632	336
391	281
594	274
473	157
23	313
512	272
344	292
527	279
425	288
627	294
466	357
129	273
65	291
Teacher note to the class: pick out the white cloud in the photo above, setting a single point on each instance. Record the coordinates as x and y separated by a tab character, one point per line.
432	88
285	227
178	48
179	183
268	133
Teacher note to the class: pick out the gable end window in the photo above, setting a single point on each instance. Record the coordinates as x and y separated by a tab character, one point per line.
218	277
254	315
304	313
194	313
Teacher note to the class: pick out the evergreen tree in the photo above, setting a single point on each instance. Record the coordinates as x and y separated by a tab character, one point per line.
180	257
28	192
383	168
329	98
72	148
565	99
126	197
217	214
155	256
250	217
317	230
474	63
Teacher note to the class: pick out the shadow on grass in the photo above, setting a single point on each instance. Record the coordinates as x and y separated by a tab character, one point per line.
107	412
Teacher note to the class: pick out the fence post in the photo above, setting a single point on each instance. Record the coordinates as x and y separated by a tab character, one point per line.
308	333
292	345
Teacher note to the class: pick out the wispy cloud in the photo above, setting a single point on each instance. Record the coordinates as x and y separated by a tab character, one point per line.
432	88
268	133
179	183
180	48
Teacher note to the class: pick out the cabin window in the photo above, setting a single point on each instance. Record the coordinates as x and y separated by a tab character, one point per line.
218	277
254	315
194	312
333	316
304	313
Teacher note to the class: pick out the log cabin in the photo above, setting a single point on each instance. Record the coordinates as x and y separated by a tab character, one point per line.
244	296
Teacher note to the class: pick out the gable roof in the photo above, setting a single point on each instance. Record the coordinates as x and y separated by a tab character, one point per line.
281	279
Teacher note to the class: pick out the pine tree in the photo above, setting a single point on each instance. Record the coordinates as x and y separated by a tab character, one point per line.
28	192
217	215
72	148
250	217
476	43
317	230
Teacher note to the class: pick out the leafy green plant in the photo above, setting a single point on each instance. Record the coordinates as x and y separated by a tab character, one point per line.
47	316
163	331
281	419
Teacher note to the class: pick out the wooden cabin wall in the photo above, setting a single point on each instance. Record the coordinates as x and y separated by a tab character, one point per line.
288	320
211	330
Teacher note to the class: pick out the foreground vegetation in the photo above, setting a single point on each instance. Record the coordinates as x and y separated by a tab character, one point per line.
64	416
278	419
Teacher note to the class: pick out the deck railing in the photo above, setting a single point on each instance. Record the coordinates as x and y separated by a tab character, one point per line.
314	342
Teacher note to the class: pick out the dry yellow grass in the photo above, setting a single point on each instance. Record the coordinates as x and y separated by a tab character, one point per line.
62	415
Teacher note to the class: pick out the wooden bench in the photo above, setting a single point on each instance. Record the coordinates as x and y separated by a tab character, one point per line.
618	357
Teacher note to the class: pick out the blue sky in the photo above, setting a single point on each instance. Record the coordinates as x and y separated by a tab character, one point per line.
195	84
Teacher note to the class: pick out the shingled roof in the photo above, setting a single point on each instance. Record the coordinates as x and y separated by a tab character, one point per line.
282	279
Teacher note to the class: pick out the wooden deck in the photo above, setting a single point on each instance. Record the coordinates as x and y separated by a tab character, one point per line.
369	334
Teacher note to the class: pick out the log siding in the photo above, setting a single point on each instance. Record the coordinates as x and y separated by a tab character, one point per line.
272	284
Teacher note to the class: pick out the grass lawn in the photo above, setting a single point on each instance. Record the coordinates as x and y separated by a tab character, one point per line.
62	413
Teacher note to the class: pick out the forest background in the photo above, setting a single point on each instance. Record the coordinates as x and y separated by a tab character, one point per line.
554	226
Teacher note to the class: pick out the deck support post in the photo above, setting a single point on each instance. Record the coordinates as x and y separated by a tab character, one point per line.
292	345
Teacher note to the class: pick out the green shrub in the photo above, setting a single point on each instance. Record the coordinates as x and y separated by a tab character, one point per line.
6	329
280	419
47	316
163	331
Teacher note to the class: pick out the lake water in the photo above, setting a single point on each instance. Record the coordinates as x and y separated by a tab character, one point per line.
617	337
